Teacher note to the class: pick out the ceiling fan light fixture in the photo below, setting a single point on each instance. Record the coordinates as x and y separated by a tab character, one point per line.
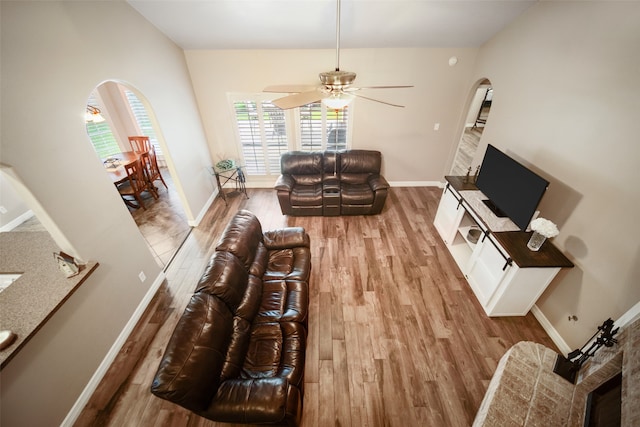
337	101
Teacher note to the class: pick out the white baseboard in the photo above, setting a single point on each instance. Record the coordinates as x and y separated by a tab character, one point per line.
551	331
627	318
99	374
416	184
203	211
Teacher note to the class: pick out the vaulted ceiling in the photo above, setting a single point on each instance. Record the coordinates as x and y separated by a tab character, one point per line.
309	24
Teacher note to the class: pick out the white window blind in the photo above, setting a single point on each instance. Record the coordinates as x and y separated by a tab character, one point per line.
100	134
323	129
262	134
265	131
144	123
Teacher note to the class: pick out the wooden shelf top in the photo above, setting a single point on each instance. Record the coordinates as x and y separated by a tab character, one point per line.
458	183
515	242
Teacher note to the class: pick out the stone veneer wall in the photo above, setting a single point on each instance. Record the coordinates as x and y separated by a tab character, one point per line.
608	362
524	391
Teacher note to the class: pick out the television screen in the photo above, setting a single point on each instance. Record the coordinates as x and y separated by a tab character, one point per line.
513	190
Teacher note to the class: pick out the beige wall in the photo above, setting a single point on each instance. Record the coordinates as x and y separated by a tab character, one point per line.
412	150
53	56
566	79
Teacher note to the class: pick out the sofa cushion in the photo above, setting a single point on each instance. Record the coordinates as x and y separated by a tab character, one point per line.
265	347
259	264
189	373
250	304
293	352
237	350
356	194
226	278
276	350
255	401
284	300
241	237
285	238
357	165
306	195
292	263
300	163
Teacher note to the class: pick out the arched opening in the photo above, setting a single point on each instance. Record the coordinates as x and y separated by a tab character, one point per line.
158	211
474	124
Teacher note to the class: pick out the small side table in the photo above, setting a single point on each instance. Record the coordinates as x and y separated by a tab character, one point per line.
235	175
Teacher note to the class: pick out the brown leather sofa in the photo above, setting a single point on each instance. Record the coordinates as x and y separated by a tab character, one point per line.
328	183
237	353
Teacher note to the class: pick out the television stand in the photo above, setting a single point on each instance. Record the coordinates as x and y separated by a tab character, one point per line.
505	276
496	210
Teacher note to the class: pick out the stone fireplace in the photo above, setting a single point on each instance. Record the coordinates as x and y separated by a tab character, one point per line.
524	391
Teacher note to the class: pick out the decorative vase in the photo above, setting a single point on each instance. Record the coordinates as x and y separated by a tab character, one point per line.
535	241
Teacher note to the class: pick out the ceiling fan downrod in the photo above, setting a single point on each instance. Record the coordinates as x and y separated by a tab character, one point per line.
338	36
336	80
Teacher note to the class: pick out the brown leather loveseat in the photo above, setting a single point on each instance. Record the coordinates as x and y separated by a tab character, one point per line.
237	353
329	183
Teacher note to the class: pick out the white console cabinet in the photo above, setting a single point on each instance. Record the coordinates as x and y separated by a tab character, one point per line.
506	277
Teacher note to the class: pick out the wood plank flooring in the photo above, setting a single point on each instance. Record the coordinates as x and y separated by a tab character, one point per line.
396	337
163	223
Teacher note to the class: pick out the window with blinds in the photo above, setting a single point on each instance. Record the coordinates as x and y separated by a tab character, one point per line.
144	123
265	131
102	139
323	129
262	134
100	134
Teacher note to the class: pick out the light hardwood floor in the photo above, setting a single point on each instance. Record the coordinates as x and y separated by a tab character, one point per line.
163	223
396	337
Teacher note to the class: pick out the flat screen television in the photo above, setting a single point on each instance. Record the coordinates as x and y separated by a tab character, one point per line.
513	190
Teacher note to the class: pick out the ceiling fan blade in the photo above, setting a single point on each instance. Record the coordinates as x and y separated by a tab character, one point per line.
289	88
298	100
377	100
354	89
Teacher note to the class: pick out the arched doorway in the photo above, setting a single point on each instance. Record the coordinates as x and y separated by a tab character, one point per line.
124	112
474	124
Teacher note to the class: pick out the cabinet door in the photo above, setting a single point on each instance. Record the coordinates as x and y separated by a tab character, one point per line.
448	215
487	267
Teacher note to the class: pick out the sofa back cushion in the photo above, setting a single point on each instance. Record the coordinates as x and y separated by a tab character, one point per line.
226	278
305	168
355	166
242	237
190	370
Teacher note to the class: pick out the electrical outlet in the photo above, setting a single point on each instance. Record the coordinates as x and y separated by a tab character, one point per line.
142	276
3	210
436	126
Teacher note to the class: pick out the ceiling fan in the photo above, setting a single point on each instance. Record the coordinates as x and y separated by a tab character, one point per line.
335	90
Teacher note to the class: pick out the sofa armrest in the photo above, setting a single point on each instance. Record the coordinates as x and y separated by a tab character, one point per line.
254	401
377	182
285	238
189	372
284	183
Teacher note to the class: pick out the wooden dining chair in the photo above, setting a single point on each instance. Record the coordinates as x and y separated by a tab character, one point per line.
140	144
152	169
133	186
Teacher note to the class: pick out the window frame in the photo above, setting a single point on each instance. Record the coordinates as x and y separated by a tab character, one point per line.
293	127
